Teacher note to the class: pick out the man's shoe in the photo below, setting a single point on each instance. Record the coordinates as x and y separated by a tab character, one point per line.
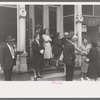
35	78
39	76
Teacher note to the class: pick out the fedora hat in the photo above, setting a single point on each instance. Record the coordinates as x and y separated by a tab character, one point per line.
10	38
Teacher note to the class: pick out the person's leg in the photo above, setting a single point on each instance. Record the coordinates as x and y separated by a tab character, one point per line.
71	73
7	75
48	61
67	73
45	63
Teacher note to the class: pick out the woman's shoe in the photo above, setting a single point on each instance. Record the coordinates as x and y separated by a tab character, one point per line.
82	79
88	79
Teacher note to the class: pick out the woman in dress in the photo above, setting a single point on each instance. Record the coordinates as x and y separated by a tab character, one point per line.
84	66
93	56
57	48
37	52
47	47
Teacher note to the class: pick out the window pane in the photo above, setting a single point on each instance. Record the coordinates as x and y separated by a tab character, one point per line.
52	20
39	15
96	10
68	10
87	9
68	24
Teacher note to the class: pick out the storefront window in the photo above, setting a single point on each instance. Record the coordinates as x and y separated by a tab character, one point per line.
52	20
87	9
68	24
96	10
68	10
39	15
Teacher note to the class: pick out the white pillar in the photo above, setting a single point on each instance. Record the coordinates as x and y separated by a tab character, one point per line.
61	21
45	16
79	24
79	28
21	36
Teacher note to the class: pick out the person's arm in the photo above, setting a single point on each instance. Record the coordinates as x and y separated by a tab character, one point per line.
93	54
2	57
35	47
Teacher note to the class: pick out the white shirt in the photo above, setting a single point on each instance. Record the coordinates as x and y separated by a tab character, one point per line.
11	50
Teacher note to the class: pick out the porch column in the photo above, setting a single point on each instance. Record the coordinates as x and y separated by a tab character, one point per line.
79	20
45	17
21	37
61	20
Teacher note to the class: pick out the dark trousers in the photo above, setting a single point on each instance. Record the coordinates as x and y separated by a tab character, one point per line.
69	72
7	74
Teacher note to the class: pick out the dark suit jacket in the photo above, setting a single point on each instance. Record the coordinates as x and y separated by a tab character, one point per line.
5	57
63	40
69	54
57	46
36	56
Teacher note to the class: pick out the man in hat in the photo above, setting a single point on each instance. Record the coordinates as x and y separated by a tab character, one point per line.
7	57
65	38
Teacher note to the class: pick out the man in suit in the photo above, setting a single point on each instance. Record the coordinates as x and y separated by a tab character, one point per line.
64	39
8	57
69	59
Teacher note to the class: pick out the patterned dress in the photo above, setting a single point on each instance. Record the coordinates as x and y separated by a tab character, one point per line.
84	65
47	46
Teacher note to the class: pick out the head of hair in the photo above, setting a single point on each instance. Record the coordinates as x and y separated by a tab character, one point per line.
38	27
94	43
57	34
35	35
44	31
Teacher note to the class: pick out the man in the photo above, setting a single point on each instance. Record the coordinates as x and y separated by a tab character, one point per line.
65	38
69	59
8	57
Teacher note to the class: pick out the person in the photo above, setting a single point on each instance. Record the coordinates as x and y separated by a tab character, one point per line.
94	67
57	48
84	66
37	52
8	57
39	30
64	39
48	48
69	59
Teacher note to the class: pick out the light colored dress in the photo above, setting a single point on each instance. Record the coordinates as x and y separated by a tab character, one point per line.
84	65
47	46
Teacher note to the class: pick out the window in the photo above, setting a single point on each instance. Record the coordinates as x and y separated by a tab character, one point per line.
39	15
68	10
84	28
87	9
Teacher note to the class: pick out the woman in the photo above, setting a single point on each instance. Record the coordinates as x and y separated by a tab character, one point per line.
47	46
37	51
84	66
57	48
93	68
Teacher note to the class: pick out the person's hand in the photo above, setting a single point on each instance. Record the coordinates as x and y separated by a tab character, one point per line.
83	53
41	51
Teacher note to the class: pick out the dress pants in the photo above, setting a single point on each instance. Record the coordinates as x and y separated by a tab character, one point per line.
7	74
69	72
